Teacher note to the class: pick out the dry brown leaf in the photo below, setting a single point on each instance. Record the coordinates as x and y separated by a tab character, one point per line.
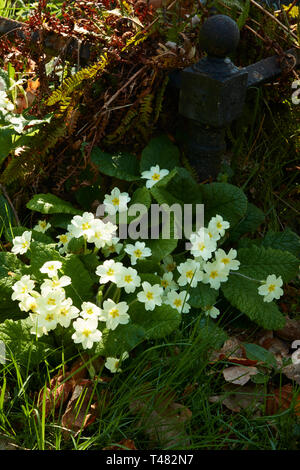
79	413
282	399
292	372
236	398
231	347
127	443
167	421
239	375
291	330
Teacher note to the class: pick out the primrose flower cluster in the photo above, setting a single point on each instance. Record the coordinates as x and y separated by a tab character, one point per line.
50	307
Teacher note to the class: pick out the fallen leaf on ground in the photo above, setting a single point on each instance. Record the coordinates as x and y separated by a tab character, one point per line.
122	445
164	422
237	398
232	351
282	399
239	375
80	413
291	330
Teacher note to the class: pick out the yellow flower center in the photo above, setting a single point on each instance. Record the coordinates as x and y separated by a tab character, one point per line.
271	288
24	244
24	289
225	260
110	272
149	295
128	279
219	225
201	246
164	283
115	201
63	238
89	311
114	312
51	301
138	253
85	226
170	267
55	283
177	303
86	333
43	224
214	274
189	274
63	312
49	317
156	176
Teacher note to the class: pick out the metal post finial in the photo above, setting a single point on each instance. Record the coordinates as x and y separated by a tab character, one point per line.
219	36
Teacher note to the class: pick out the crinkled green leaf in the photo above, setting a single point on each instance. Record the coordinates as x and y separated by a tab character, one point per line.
224	199
13	232
160	151
161	248
258	262
123	338
202	296
286	240
25	349
253	219
123	166
157	323
243	294
51	204
81	288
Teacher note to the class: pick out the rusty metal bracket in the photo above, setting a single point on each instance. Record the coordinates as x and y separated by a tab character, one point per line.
272	67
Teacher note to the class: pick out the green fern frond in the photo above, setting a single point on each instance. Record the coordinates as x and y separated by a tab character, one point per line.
32	157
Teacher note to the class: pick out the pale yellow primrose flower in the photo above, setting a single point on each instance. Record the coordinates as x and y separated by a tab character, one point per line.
151	295
112	363
154	175
271	288
21	244
86	332
42	226
114	314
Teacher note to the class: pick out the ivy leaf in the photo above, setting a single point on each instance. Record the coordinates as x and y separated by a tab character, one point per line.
51	204
160	151
123	166
23	346
202	296
157	323
286	240
224	199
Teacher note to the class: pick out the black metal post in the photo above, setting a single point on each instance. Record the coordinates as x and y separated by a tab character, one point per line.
212	95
